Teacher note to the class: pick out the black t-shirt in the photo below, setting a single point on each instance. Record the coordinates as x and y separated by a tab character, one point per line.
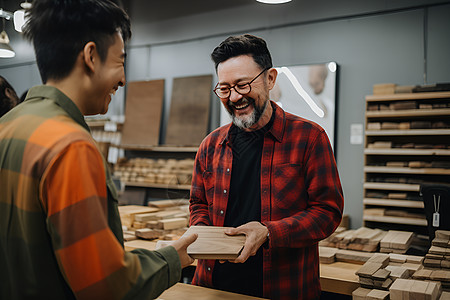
244	205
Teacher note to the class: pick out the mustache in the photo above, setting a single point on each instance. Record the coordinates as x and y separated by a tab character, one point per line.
241	102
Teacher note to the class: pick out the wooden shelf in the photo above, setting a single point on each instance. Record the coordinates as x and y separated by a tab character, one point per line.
407	113
395	220
158	148
391	170
158	185
414	132
393	202
392	186
391	151
408	96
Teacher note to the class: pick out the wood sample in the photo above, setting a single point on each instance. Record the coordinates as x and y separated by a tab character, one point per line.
128	212
143	110
213	243
189	110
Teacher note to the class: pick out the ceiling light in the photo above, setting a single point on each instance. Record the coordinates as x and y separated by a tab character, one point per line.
19	19
5	49
274	1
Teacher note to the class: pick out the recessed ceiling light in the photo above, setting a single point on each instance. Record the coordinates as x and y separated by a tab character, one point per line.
274	1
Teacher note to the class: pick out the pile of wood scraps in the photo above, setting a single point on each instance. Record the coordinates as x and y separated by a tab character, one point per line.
162	171
361	239
378	276
168	222
396	242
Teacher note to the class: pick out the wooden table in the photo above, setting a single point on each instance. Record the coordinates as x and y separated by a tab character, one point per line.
338	277
188	292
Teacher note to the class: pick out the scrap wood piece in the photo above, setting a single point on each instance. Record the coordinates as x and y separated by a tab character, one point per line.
353	256
127	213
174	223
400	288
327	255
437	250
423	274
377	295
213	243
368	269
418	289
398	272
161	204
149	234
442	234
360	293
381	274
381	258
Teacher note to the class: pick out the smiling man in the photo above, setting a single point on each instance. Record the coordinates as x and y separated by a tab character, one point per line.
271	175
60	231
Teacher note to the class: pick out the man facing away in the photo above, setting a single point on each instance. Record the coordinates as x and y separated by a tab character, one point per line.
60	232
270	174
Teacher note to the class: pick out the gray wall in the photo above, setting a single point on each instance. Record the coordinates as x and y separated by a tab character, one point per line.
372	41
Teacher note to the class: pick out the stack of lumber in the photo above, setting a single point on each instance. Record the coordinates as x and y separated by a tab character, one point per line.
437	261
382	269
361	239
392	88
439	254
160	171
373	273
167	222
415	289
396	242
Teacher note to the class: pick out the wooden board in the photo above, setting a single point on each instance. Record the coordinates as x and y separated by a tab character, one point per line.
213	243
143	110
127	213
189	110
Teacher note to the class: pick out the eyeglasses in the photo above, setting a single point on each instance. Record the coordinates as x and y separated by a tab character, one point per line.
243	89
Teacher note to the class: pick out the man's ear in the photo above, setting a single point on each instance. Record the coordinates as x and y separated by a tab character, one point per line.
272	78
90	55
11	95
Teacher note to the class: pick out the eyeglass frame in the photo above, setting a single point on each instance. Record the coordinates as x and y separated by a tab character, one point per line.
233	87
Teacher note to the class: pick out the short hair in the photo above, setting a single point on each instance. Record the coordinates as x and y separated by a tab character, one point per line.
246	44
6	103
59	30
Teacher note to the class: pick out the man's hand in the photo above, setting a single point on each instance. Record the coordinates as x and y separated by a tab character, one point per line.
181	245
256	235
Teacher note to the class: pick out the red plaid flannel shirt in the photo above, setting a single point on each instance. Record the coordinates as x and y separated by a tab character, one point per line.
301	201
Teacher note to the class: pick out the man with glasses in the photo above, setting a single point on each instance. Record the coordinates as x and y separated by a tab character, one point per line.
271	175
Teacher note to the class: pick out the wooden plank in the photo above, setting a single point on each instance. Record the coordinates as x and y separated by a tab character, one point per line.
213	243
189	110
143	109
127	213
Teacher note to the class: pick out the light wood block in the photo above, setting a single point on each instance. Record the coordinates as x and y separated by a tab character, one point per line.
360	293
174	223
433	291
381	274
127	213
149	234
381	258
377	295
327	255
368	269
213	243
442	234
418	290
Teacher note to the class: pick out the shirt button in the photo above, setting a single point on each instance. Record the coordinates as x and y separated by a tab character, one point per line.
228	170
224	191
221	212
209	269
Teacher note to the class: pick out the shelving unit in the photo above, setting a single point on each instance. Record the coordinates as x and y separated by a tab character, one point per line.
407	142
151	190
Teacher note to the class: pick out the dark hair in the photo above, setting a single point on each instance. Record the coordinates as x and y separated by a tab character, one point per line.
243	45
59	30
6	103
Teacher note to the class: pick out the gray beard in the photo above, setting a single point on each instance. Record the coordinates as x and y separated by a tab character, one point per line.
245	122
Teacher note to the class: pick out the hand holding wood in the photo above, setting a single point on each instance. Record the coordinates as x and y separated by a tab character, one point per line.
181	245
256	235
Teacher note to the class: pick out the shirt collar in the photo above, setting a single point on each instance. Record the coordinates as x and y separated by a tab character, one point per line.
276	130
54	94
